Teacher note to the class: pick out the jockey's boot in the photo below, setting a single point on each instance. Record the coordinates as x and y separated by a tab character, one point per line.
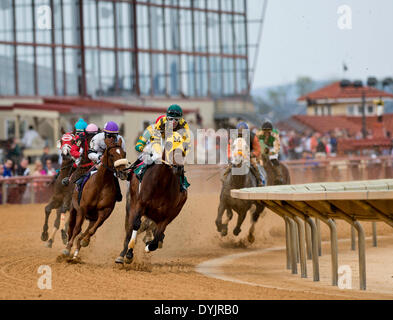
254	170
226	172
119	196
278	177
183	182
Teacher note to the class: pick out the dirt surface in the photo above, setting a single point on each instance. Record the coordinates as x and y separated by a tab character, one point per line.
170	272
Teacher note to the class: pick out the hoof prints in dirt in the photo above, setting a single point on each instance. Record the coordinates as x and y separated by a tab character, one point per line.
157	268
235	244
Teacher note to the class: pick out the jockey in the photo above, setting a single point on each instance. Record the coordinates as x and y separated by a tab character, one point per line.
98	146
174	116
270	138
79	131
80	142
145	137
255	153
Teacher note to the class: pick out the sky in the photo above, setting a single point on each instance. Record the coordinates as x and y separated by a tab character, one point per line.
302	38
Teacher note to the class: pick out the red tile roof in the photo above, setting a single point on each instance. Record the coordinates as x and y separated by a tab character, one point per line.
324	124
334	91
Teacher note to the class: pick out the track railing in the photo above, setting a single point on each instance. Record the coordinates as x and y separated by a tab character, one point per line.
355	201
30	189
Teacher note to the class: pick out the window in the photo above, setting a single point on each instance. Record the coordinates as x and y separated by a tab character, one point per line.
351	110
370	109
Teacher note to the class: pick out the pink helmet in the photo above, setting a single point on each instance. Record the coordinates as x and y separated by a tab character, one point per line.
91	128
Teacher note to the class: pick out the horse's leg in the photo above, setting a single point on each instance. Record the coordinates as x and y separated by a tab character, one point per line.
48	209
120	258
158	233
224	226
73	231
102	216
55	228
135	218
254	218
221	209
78	241
64	208
240	218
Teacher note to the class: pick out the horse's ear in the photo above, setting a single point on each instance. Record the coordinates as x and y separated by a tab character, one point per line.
62	131
120	142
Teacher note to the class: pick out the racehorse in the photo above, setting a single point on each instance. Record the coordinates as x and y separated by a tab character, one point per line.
238	181
158	197
98	198
272	177
61	198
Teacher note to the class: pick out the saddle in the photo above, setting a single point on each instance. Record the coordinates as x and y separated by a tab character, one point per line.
80	183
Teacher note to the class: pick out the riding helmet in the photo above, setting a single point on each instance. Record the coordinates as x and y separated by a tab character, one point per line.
111	127
242	125
91	128
80	125
174	111
267	126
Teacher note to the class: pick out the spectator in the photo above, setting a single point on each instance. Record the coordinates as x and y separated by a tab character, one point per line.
1	171
45	156
14	151
22	168
8	167
50	171
320	149
29	137
39	169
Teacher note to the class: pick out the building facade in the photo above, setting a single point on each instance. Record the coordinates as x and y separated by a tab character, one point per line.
151	48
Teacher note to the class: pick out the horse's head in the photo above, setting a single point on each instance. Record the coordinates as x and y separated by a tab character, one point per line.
64	144
240	152
115	158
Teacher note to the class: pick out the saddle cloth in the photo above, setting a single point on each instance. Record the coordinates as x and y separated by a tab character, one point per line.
80	183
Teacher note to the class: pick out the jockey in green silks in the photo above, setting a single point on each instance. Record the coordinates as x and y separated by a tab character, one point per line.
269	138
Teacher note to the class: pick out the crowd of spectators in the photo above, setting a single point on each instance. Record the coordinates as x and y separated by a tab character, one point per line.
15	163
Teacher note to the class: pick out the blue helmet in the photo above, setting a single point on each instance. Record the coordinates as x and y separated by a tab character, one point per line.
242	125
80	125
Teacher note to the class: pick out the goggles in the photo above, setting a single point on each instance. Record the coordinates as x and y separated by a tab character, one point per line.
173	119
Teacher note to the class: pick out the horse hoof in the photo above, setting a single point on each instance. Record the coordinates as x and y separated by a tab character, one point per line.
119	260
151	247
66	252
219	226
85	243
129	256
44	236
251	238
49	243
236	231
224	232
160	244
64	236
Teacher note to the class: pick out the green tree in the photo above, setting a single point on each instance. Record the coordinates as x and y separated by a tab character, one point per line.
304	85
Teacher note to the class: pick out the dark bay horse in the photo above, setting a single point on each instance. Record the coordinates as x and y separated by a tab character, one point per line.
272	177
158	197
238	181
61	198
98	197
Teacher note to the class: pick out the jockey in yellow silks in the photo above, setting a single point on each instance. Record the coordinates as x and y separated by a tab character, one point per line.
146	135
181	135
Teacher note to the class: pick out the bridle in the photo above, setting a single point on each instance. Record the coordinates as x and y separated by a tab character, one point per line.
116	163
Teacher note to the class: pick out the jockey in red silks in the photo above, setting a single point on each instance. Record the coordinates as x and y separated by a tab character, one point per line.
81	145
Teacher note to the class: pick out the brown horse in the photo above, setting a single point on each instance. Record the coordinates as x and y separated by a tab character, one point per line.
98	197
62	194
61	201
272	177
159	198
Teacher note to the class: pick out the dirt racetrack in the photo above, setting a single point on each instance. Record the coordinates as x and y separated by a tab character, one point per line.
170	272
